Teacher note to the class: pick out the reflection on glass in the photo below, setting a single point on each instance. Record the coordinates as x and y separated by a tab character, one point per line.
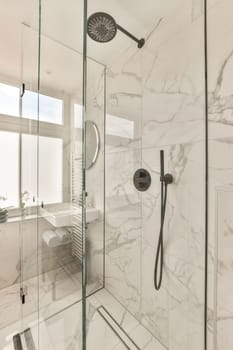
9	100
117	126
51	108
50	168
92	142
9	174
78	116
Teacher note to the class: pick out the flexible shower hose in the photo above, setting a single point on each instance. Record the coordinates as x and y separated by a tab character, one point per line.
158	270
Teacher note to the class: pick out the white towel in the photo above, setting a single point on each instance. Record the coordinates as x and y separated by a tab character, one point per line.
63	234
51	239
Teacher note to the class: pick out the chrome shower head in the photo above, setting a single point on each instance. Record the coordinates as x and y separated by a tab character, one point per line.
101	27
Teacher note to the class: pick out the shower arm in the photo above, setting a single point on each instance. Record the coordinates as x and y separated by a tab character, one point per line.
140	42
164	178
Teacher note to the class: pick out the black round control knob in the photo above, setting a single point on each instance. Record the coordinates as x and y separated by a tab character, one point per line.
142	180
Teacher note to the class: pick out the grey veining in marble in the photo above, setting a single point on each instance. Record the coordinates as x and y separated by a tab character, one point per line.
220	174
170	93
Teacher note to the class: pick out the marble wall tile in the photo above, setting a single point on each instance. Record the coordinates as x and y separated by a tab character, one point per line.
9	251
123	229
181	14
220	170
173	90
182	288
95	254
172	117
124	103
220	176
13	236
64	330
182	292
223	280
23	243
95	185
197	9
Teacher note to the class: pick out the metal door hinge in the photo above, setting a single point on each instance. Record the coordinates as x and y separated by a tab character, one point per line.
23	293
22	90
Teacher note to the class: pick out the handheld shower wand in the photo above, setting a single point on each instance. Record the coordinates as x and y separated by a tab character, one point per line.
161	165
165	181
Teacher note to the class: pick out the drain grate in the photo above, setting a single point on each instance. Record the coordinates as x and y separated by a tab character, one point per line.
117	329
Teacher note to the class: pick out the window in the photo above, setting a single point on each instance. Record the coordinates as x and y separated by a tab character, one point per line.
51	109
19	155
9	174
117	126
9	100
50	168
78	111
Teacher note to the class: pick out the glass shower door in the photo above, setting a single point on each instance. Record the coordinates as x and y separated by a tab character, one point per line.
43	130
28	179
19	74
61	171
155	100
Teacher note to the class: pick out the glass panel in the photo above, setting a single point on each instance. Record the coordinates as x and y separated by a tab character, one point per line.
95	155
9	100
9	179
51	160
86	231
155	100
220	166
60	181
18	243
51	173
29	234
42	251
51	109
94	174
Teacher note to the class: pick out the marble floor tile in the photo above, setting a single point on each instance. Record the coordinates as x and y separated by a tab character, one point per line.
63	330
135	330
118	347
144	339
56	290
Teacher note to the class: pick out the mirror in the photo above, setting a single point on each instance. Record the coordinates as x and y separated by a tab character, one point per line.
92	142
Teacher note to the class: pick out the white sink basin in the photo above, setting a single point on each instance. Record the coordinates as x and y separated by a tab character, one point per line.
63	214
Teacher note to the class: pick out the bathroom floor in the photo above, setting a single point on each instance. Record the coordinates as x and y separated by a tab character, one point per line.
63	330
56	290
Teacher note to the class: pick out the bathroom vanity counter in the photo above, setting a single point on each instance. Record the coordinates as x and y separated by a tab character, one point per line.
60	215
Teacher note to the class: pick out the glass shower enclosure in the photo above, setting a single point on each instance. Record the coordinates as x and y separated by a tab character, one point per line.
95	91
42	181
155	100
